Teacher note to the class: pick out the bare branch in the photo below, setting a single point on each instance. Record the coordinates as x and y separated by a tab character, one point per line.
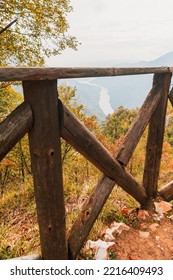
8	26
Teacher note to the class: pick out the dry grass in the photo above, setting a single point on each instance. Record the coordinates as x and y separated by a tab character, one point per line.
19	234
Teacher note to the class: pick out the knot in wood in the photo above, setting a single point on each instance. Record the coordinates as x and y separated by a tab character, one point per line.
51	153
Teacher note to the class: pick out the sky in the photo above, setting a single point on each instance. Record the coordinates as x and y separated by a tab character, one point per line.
117	31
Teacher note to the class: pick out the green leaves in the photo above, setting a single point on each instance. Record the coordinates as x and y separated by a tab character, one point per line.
118	123
40	30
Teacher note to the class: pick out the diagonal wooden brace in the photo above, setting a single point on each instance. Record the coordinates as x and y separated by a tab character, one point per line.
140	123
14	127
81	139
167	191
73	131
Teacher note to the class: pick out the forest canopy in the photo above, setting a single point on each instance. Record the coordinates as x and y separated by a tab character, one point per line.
38	29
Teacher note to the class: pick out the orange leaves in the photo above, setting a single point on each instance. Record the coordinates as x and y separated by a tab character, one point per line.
91	123
6	163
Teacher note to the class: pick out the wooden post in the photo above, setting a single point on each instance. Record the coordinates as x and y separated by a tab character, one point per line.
155	136
44	139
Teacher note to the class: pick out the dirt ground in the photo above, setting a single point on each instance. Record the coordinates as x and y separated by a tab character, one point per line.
155	244
145	235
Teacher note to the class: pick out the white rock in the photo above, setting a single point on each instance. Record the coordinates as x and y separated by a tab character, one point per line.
100	248
158	217
101	254
115	228
109	234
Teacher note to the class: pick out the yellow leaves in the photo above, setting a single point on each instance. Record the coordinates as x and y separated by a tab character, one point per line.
91	123
6	163
38	22
118	123
166	163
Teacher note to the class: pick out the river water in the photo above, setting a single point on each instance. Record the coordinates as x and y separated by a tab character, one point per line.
104	101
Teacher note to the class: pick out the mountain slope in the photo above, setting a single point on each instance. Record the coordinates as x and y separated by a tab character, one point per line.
127	91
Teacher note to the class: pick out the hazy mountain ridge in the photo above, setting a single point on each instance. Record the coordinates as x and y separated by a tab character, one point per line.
127	91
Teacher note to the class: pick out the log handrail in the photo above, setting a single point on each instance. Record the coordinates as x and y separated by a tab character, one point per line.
50	73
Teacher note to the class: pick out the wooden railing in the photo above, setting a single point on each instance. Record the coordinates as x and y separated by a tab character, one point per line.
46	119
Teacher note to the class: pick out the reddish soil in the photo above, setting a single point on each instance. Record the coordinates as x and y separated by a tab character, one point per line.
156	243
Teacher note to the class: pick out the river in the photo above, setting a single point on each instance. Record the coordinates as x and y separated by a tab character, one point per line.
104	101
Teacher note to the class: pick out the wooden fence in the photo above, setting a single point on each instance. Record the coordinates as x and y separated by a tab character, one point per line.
46	119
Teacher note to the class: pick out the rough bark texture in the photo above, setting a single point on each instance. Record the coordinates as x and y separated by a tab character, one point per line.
82	139
167	191
23	74
171	96
88	215
136	130
14	127
155	136
44	139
